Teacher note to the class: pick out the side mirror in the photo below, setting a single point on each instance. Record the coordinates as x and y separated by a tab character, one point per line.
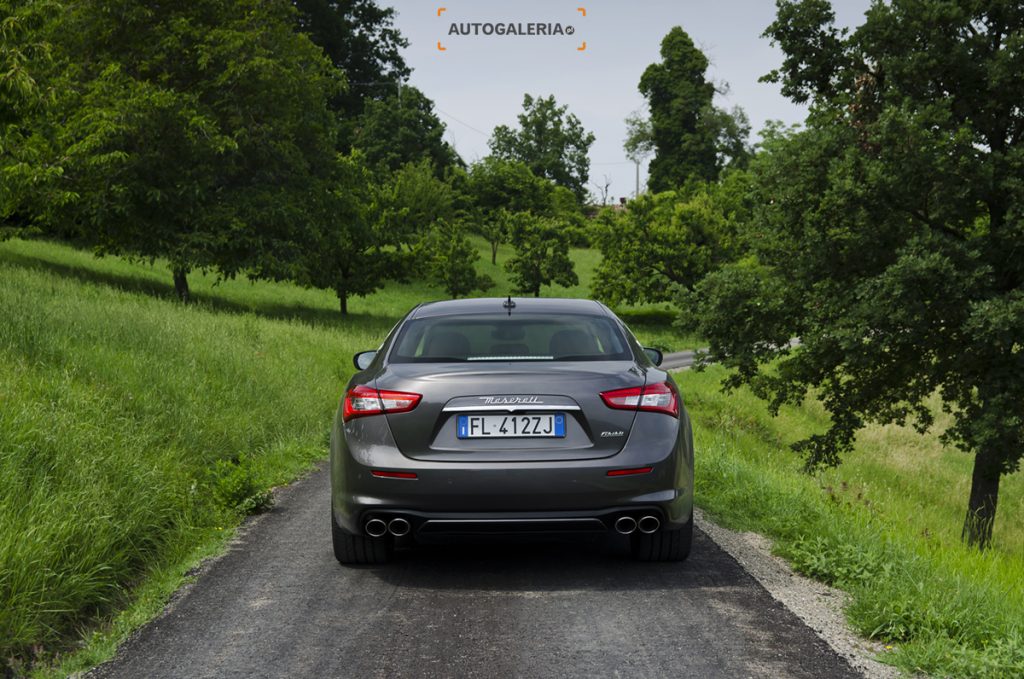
655	355
363	359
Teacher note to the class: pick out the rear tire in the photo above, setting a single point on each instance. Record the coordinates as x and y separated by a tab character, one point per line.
359	549
664	545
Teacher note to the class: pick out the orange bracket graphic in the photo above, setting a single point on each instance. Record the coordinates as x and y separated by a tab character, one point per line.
582	10
582	47
441	9
440	47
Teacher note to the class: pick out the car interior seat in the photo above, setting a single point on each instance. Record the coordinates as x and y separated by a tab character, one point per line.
446	344
573	343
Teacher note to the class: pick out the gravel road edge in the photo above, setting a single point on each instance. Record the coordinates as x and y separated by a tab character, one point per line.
817	604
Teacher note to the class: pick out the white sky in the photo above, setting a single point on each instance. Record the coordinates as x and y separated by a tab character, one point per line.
478	82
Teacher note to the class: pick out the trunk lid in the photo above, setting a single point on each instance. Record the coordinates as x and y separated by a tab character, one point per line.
521	389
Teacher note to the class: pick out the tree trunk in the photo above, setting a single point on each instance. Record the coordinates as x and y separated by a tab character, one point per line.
536	291
181	284
981	508
494	252
342	301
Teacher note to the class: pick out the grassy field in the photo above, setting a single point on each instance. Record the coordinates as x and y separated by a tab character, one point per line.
374	314
884	526
135	431
132	430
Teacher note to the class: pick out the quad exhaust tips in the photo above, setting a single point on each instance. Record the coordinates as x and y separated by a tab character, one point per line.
648	524
375	528
625	525
398	527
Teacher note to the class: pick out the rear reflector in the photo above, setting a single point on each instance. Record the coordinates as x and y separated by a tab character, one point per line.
629	472
361	401
392	475
656	398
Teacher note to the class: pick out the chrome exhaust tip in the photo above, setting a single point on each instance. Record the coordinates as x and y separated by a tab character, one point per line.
398	527
625	525
648	524
375	528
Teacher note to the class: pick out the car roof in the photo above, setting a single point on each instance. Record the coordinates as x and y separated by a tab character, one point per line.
532	305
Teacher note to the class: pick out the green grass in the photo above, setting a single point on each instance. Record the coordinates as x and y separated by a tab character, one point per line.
374	314
132	430
884	526
135	432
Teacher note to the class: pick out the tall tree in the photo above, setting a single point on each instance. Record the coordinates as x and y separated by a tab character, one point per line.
731	132
347	250
360	39
194	132
639	143
497	187
550	141
668	241
679	94
27	180
449	259
397	130
692	138
411	202
891	231
542	254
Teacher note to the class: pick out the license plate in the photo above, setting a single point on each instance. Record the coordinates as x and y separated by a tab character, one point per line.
511	426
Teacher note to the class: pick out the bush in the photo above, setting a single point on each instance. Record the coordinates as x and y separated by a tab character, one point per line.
236	488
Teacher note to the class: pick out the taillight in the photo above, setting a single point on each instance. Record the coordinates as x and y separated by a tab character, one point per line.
361	401
655	398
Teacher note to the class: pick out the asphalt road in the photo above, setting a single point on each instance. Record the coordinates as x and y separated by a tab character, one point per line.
279	605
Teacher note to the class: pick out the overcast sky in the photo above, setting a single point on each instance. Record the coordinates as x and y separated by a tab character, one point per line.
478	81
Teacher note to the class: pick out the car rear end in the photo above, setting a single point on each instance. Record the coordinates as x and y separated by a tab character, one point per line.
480	419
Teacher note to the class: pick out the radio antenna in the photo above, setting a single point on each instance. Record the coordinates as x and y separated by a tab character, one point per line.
509	304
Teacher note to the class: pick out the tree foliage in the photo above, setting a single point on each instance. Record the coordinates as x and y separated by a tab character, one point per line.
411	202
542	253
403	129
195	132
497	187
24	58
639	142
731	133
691	138
889	233
550	141
360	39
449	259
347	250
670	240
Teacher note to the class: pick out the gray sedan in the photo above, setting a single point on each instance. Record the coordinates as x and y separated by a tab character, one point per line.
494	417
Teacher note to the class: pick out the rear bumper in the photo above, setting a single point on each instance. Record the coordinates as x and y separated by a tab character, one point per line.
430	527
570	496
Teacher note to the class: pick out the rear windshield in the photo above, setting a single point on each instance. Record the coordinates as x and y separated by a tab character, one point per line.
500	337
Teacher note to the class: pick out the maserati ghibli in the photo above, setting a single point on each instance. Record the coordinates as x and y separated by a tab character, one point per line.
495	417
